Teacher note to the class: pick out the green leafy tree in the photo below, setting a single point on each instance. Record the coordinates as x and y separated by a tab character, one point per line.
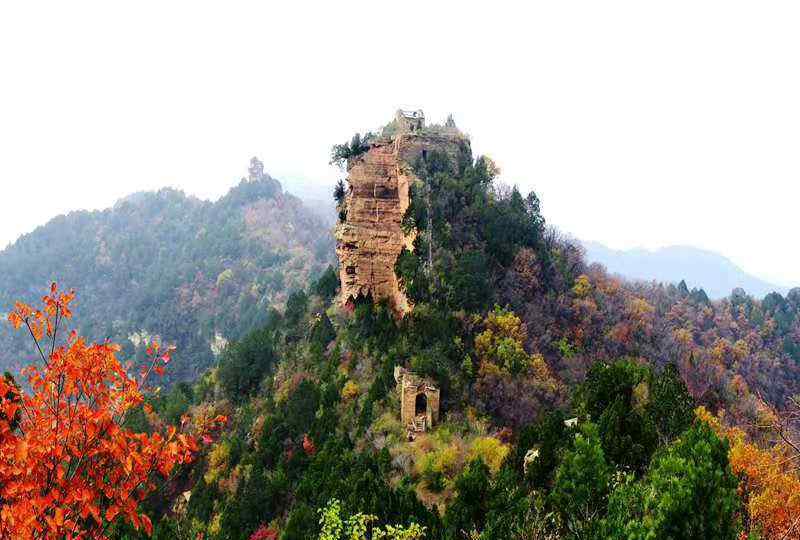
176	403
327	285
624	516
508	507
296	307
628	436
322	330
468	512
341	154
339	192
469	282
244	364
469	232
693	491
688	492
549	438
361	526
670	407
683	289
616	397
582	485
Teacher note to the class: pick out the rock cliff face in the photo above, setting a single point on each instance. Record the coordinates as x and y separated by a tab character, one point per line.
371	238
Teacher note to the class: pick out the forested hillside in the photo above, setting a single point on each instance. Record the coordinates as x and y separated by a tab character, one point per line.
573	404
194	273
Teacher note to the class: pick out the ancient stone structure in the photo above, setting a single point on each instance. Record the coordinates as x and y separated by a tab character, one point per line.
410	121
419	400
371	237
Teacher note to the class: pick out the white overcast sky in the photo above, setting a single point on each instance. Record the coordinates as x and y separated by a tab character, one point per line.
637	123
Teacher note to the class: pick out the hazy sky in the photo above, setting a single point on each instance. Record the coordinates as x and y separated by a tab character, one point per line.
638	123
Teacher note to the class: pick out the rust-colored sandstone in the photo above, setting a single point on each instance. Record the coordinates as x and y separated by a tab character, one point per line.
371	238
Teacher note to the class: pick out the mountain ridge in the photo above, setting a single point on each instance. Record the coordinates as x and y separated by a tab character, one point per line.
193	272
716	274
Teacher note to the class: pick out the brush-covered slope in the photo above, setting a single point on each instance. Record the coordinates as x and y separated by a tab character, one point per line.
195	273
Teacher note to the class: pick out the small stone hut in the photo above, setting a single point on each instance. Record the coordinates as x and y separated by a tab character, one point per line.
419	400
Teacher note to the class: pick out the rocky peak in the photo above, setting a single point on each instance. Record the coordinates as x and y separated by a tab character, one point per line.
370	238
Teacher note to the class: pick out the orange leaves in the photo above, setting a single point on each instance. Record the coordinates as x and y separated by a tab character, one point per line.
36	325
22	311
112	512
156	359
65	453
772	490
91	509
59	517
770	485
21	451
308	445
41	322
769	481
58	304
15	319
9	409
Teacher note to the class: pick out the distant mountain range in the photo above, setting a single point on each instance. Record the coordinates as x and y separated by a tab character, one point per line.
714	273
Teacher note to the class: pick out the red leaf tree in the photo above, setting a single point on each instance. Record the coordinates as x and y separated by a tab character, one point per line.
264	533
69	467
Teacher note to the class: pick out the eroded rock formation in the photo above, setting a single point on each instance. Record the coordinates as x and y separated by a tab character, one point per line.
371	237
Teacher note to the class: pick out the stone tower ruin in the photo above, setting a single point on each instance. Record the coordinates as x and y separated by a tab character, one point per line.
370	238
409	121
419	401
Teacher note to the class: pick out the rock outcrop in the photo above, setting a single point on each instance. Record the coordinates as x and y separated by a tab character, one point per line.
370	239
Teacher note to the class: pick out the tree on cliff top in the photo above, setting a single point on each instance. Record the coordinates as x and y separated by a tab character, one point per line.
341	154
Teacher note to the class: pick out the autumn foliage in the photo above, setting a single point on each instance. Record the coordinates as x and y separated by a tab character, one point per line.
769	480
69	467
264	533
308	445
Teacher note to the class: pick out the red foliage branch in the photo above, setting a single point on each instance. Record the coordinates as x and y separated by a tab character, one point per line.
69	467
